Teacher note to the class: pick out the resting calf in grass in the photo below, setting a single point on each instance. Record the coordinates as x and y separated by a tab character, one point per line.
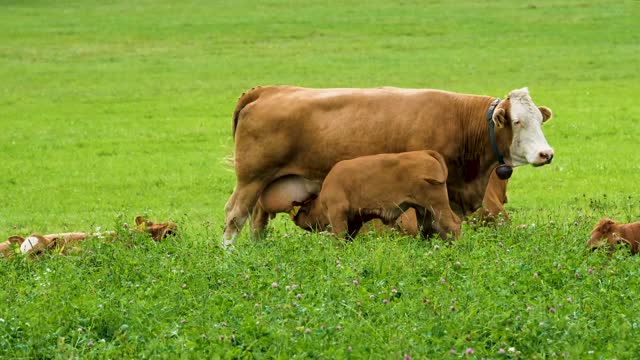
610	232
382	187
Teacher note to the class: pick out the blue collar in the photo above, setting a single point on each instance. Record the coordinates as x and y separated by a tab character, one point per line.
503	170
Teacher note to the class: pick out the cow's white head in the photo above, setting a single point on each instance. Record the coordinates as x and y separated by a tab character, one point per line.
529	145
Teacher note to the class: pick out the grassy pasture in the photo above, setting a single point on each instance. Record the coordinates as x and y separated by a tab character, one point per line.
113	109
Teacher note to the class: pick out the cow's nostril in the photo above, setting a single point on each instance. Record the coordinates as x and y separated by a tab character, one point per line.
546	156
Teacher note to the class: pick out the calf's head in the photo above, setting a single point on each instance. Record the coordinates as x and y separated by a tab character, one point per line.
519	113
306	215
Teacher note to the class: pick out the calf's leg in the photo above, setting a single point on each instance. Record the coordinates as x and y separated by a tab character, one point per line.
447	223
424	220
435	200
354	226
338	218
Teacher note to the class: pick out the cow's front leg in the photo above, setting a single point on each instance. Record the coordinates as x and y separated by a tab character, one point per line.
241	203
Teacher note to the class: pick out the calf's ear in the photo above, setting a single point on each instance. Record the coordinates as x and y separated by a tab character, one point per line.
546	113
499	117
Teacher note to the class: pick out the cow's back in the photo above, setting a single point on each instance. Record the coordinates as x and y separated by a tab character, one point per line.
292	130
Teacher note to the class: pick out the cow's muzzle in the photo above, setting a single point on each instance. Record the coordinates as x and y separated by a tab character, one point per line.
544	158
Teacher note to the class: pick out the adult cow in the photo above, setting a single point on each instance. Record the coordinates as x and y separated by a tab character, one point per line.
293	131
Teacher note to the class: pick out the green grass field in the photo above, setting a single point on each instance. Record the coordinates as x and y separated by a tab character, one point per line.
113	109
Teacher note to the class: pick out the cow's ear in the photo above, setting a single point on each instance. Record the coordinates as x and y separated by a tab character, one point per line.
500	117
15	239
546	113
605	225
140	219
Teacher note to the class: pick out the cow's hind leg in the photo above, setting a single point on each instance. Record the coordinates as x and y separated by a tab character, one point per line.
259	221
241	203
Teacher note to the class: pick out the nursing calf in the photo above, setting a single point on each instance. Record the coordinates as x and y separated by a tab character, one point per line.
610	232
382	187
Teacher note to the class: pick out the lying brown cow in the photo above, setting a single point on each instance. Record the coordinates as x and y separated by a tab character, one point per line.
35	244
284	131
382	187
610	232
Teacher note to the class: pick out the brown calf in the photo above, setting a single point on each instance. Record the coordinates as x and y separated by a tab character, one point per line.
611	232
382	187
281	194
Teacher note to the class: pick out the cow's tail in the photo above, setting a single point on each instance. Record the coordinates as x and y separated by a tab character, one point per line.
245	99
229	161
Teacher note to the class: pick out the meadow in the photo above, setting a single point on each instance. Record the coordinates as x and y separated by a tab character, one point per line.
110	110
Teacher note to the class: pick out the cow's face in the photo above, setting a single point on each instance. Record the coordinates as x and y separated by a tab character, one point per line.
604	232
528	145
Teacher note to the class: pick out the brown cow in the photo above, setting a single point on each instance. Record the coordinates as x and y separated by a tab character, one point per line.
610	232
382	187
283	130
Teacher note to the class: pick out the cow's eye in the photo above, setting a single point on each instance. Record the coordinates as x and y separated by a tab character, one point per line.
516	122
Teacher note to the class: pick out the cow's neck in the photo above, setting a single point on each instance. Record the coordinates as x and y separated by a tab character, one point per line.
469	171
476	153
